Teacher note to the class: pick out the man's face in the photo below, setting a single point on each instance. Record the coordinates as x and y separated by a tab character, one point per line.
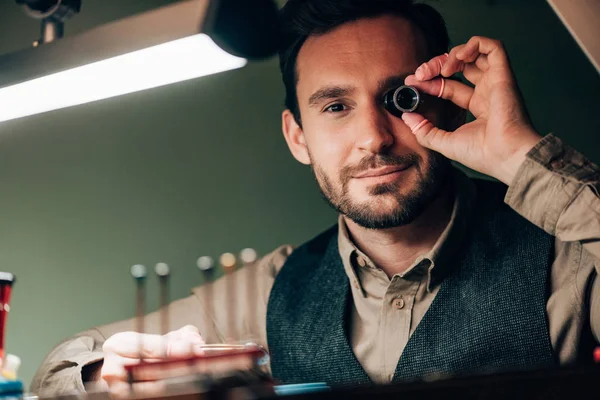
367	162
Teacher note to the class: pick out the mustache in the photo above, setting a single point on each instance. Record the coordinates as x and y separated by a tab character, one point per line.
378	161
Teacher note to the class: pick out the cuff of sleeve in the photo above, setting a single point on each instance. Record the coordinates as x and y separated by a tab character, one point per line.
82	362
64	377
547	182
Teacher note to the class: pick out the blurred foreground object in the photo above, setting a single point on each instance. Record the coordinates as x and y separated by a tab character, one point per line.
10	386
237	365
6	281
556	383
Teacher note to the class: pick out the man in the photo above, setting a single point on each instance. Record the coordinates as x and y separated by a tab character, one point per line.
427	271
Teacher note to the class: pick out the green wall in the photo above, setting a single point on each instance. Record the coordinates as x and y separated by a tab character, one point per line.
200	167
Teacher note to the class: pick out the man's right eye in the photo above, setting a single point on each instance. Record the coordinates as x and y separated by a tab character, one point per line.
335	108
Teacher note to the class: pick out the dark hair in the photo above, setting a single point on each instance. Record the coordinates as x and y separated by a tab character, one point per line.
303	18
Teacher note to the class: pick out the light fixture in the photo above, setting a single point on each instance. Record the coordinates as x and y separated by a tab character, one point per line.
182	41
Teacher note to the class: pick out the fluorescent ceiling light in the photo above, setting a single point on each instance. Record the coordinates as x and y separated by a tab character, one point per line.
183	40
159	65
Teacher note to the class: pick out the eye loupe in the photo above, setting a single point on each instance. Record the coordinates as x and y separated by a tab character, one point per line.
402	99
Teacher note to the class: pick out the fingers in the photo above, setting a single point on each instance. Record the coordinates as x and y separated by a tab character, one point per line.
184	348
431	68
473	73
114	367
126	348
435	87
427	134
184	342
136	345
479	51
477	45
448	89
482	62
453	65
188	334
472	58
185	330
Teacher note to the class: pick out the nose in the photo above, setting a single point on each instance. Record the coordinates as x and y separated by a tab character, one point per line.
375	134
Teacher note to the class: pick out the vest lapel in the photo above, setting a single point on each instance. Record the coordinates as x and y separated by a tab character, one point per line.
335	352
306	316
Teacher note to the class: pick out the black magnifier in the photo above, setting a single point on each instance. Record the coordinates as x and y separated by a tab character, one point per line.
402	99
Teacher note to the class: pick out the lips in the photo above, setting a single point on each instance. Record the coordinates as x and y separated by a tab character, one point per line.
371	173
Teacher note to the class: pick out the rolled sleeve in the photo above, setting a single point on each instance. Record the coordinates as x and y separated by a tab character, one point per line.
556	188
61	371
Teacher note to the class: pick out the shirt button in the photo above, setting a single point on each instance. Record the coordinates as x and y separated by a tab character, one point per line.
398	303
557	164
361	261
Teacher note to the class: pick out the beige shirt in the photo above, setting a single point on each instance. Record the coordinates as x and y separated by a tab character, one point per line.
556	188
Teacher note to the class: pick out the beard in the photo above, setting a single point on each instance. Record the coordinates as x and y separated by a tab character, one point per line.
431	179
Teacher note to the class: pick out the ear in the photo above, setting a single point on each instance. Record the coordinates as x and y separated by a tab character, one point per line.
294	136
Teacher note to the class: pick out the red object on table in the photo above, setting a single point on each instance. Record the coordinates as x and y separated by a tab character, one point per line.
236	358
6	281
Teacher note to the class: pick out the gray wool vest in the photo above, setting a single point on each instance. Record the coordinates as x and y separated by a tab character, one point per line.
489	313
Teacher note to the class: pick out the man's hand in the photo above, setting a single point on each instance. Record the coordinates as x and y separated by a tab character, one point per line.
498	140
124	349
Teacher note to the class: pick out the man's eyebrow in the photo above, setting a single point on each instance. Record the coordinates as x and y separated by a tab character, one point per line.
329	92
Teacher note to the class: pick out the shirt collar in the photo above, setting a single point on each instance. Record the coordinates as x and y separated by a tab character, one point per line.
437	259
